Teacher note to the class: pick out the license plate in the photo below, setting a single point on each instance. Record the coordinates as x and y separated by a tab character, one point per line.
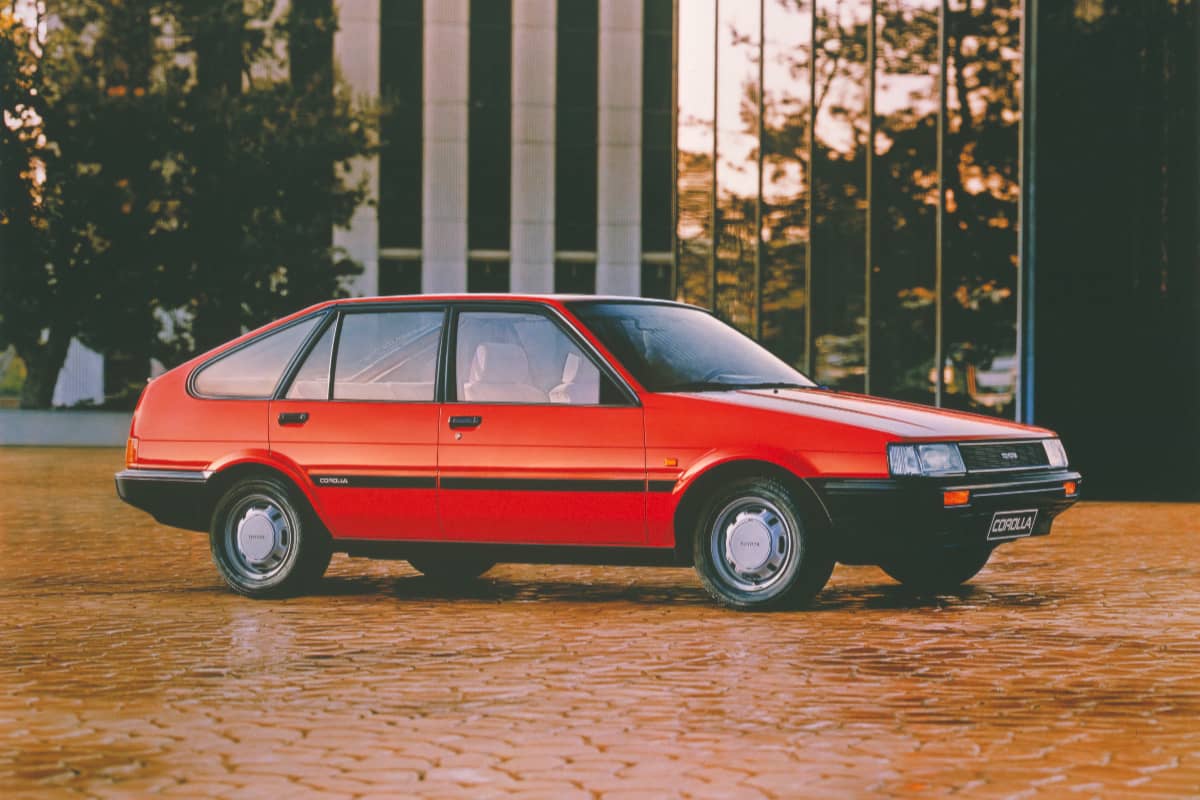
1012	524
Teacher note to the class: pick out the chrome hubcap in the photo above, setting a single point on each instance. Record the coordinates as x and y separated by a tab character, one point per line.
752	543
259	537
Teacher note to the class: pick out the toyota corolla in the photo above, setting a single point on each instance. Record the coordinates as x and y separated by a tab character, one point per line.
457	432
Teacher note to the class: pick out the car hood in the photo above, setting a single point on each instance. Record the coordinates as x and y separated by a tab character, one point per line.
892	417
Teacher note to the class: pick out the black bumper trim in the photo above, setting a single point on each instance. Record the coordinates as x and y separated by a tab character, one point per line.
179	498
876	517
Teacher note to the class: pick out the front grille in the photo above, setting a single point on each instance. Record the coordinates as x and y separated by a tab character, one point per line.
1005	455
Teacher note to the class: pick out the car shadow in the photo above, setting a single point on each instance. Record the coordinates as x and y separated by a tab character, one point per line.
889	596
882	596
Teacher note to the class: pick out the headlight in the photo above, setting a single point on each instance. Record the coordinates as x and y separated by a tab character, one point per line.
1056	454
925	459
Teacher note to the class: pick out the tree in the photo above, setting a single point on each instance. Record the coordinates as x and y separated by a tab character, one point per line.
75	187
23	291
190	177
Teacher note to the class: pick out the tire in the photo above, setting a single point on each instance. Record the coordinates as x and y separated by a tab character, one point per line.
732	530
266	541
457	570
938	570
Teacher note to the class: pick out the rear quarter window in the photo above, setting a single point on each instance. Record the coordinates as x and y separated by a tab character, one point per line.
253	370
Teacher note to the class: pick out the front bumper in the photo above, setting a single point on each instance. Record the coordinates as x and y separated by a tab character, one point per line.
875	518
179	498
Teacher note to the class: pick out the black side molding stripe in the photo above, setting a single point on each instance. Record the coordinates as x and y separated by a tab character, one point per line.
490	484
375	481
544	484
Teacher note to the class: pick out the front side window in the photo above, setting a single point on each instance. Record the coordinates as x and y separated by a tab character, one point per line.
678	348
507	357
387	356
254	370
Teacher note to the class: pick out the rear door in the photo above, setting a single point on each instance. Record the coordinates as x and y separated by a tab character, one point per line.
538	442
360	417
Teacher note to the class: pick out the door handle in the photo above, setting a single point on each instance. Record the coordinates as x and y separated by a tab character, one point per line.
293	417
465	422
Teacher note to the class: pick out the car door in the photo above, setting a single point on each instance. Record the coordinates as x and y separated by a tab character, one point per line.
538	443
360	417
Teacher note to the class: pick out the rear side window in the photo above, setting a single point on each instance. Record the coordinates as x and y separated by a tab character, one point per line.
312	380
254	370
387	356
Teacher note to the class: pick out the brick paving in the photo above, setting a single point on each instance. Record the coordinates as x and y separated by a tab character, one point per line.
1071	668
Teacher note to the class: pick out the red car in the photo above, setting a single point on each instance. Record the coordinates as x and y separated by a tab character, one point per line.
461	431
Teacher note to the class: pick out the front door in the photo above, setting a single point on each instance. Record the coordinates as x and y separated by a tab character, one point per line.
365	431
537	444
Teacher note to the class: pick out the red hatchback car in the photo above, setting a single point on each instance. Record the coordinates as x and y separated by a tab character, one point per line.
461	431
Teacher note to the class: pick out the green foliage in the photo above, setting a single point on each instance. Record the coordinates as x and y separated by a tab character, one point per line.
188	178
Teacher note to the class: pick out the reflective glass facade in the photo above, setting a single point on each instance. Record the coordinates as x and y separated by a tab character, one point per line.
859	211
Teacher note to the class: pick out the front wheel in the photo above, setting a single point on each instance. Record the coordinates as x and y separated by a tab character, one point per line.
753	550
937	570
265	540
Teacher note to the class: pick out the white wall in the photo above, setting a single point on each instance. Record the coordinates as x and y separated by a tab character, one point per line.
619	190
356	54
533	135
445	131
444	167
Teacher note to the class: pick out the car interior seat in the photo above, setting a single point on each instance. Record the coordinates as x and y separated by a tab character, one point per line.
580	382
499	373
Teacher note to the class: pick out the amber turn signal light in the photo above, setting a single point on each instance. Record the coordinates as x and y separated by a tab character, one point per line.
131	445
957	497
1070	488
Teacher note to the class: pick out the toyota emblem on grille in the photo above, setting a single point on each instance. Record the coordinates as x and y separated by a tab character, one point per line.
1009	455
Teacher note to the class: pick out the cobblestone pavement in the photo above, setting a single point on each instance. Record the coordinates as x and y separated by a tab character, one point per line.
1070	669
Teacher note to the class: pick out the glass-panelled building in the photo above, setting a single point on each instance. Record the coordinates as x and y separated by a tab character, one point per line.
838	178
849	188
862	185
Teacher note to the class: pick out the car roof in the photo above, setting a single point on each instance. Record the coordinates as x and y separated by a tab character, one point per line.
514	298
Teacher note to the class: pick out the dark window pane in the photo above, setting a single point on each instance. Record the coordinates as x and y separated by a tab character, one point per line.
656	126
737	163
399	275
656	281
400	69
489	157
787	70
487	276
576	121
979	265
694	169
387	356
574	277
840	188
904	200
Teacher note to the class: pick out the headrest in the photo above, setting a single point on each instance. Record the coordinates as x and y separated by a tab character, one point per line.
499	362
570	368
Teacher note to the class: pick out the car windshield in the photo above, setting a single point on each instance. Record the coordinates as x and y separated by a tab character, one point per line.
672	348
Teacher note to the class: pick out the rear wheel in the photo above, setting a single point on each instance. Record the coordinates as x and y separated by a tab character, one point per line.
454	570
753	550
937	570
266	541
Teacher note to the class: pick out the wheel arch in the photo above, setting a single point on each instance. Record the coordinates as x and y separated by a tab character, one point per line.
232	470
701	486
